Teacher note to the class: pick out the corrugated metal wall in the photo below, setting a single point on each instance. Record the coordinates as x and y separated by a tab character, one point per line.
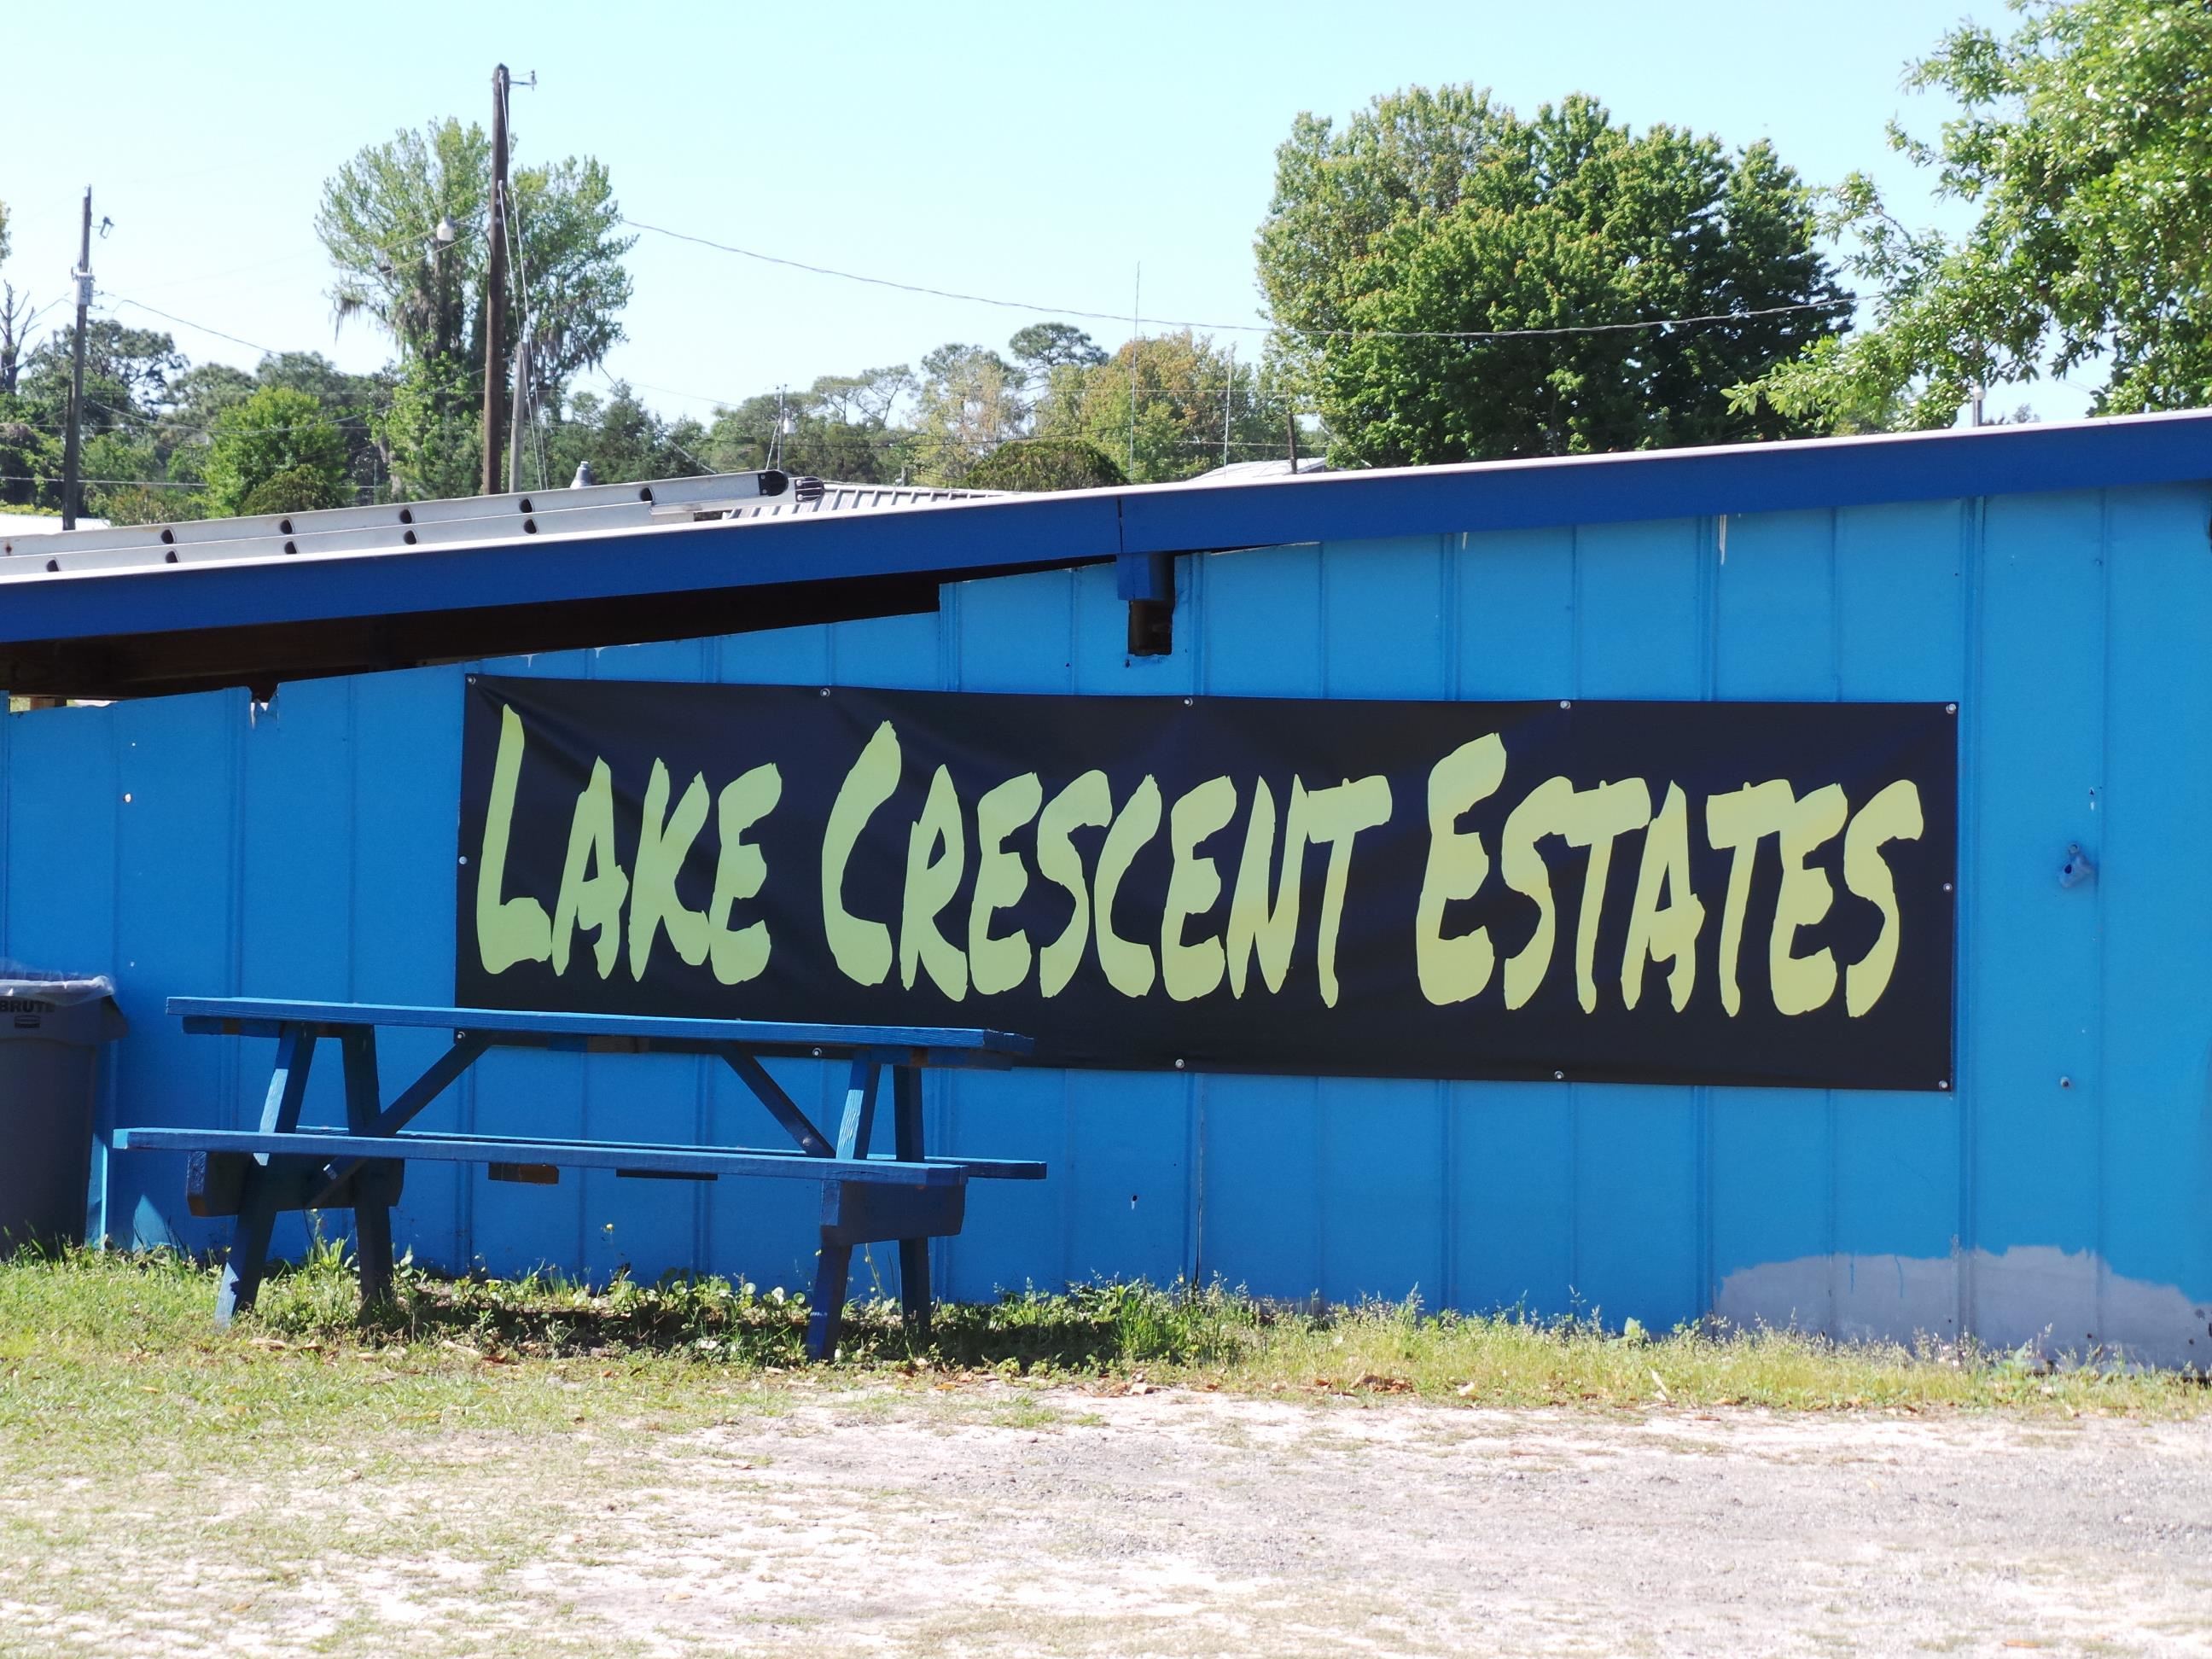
200	845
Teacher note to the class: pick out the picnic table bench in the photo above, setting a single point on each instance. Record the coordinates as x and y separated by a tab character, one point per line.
907	1197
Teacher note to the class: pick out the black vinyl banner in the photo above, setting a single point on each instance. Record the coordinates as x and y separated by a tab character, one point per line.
1657	892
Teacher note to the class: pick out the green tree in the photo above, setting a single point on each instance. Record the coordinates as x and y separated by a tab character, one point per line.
2084	137
622	439
1437	217
30	464
351	401
843	427
203	391
127	374
276	430
431	431
147	504
971	401
294	489
1185	393
16	316
378	221
571	287
118	464
1034	463
1042	347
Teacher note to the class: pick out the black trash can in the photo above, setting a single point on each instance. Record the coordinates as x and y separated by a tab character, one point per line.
52	1027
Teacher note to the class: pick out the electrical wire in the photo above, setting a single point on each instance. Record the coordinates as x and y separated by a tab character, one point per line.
1236	328
197	436
186	322
522	271
143	484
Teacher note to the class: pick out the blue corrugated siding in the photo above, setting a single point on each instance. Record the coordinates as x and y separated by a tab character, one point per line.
202	845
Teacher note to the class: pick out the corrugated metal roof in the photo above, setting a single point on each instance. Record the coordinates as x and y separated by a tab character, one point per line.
41	524
498	578
396	527
1246	471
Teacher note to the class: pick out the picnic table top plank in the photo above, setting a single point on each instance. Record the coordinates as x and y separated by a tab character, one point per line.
577	1154
954	1042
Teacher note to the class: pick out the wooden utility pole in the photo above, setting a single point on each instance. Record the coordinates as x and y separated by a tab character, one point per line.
494	374
72	447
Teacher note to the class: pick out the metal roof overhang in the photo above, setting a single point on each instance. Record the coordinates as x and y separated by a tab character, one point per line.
175	628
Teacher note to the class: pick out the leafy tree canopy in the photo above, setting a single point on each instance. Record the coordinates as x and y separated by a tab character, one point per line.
1034	464
2085	138
431	430
278	430
294	489
622	439
1436	216
971	401
1042	347
1188	395
379	219
15	319
30	464
127	373
844	427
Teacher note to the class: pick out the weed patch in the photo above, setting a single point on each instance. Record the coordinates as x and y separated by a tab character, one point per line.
478	1351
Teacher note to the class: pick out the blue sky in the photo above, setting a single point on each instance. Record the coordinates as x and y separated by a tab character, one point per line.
1039	153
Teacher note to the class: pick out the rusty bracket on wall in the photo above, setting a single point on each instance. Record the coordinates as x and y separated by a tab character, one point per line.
1146	580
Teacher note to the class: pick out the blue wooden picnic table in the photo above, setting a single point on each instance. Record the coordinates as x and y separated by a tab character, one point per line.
907	1197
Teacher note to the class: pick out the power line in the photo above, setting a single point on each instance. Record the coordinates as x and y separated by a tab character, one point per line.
202	431
186	322
1236	328
143	483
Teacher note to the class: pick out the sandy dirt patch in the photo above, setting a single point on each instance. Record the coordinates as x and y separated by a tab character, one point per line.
1057	1521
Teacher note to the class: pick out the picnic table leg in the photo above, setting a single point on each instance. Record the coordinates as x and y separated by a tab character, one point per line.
257	1209
828	1307
372	1222
914	1253
854	1125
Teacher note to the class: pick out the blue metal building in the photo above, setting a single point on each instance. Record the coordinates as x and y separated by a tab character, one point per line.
2055	583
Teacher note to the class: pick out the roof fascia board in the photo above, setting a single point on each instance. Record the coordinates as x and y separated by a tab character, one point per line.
1673	484
960	540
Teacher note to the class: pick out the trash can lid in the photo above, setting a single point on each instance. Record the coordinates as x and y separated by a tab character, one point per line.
58	1007
63	990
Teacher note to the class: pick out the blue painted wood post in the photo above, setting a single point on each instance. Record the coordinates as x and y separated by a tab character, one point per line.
831	1272
858	1121
914	1253
257	1209
781	1106
372	1221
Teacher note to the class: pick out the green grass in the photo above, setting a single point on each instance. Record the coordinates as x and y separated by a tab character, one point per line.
165	1485
101	1345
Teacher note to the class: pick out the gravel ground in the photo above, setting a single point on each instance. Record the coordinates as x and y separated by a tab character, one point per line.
989	1521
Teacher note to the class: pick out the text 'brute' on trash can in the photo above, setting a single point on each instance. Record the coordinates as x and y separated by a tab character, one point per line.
52	1027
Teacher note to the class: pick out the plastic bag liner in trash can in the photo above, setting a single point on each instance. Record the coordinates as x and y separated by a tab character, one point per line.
51	1029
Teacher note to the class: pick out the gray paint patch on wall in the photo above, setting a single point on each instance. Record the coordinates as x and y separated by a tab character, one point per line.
2022	1296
